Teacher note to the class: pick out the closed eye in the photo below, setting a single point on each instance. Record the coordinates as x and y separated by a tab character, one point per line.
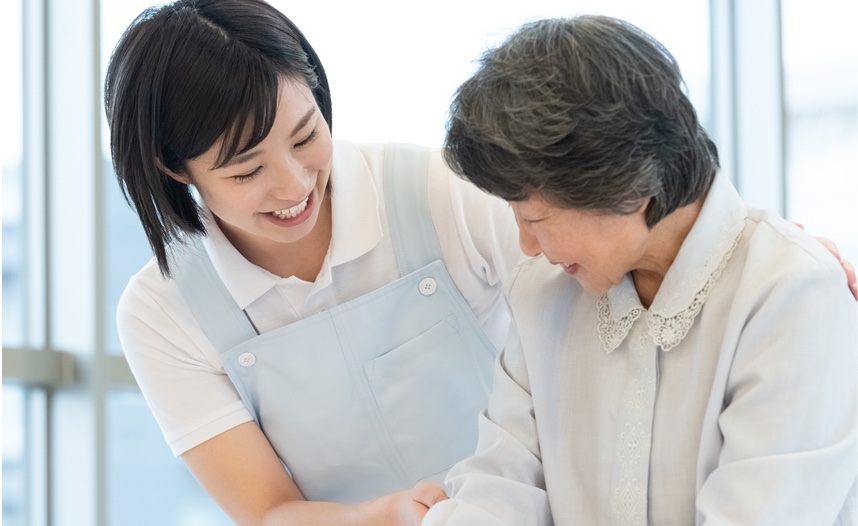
247	177
310	138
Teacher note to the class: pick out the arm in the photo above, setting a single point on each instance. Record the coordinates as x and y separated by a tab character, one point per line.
243	474
205	422
503	483
789	420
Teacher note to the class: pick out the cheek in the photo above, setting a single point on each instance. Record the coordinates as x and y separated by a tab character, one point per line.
323	153
565	243
231	199
627	248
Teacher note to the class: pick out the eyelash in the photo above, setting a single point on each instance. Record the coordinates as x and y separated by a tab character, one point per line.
308	140
246	177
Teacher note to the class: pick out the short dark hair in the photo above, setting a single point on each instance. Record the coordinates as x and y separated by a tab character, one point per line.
185	75
587	112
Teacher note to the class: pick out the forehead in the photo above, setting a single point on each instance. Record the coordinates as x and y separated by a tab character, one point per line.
294	93
535	206
295	103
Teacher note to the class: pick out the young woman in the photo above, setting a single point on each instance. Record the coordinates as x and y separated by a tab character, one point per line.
320	321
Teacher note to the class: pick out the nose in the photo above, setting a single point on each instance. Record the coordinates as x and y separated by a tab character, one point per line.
528	242
289	182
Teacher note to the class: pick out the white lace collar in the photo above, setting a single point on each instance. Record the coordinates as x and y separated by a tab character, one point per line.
685	288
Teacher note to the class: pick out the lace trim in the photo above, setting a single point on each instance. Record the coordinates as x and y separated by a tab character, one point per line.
629	502
612	333
666	331
634	443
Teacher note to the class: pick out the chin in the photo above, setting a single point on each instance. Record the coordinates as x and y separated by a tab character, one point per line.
596	289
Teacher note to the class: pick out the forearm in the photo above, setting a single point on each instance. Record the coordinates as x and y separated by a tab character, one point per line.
503	482
300	512
404	508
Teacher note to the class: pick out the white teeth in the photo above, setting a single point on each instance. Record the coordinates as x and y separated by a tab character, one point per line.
288	213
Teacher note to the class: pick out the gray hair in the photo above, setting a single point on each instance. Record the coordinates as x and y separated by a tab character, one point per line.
587	112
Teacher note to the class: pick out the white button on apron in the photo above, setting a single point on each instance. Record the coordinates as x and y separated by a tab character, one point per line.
354	370
427	286
246	359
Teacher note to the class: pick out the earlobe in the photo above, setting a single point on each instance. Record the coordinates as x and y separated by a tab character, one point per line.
180	177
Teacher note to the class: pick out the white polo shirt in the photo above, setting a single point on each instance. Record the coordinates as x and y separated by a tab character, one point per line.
179	370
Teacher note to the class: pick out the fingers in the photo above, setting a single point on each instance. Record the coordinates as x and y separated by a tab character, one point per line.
427	494
829	244
800	225
423	496
851	278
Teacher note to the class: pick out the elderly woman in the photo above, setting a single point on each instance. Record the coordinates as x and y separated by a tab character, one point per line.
700	368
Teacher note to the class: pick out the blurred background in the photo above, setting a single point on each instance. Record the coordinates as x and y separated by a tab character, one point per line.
774	81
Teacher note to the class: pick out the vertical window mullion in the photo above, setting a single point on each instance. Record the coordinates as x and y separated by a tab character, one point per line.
33	272
75	436
748	91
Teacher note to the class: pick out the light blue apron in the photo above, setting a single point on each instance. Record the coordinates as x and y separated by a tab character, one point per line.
375	394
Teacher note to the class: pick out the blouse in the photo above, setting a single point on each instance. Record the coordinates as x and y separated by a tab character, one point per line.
731	400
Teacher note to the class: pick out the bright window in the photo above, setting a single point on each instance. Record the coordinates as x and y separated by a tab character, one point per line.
821	88
393	67
11	127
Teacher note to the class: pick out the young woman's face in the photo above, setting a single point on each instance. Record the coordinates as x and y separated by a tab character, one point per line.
597	249
275	191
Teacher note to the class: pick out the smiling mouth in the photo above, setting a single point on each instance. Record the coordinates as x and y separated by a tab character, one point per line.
289	213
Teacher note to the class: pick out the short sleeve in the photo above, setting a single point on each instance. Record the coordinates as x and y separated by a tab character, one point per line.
177	369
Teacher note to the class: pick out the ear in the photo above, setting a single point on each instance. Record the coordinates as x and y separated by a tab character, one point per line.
643	206
180	177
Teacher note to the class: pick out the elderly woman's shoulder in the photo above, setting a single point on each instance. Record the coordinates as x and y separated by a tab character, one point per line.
773	250
771	230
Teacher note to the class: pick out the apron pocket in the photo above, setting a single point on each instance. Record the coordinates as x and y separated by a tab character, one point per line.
429	391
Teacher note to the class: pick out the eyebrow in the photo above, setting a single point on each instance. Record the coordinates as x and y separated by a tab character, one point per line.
246	156
303	121
240	158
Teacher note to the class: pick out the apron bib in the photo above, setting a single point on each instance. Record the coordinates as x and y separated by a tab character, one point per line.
375	394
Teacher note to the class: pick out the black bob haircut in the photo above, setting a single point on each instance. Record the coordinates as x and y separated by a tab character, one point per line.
184	76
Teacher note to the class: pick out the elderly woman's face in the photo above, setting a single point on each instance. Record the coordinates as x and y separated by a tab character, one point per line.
597	249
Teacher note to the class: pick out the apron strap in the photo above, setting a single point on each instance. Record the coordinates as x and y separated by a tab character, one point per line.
413	234
411	228
220	317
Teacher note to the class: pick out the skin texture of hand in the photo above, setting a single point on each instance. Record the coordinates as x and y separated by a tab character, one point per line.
418	501
403	508
243	474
